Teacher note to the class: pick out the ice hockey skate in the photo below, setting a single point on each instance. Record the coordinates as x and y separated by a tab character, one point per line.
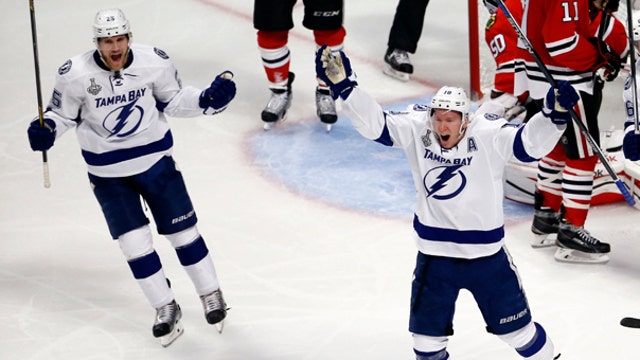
397	64
326	108
167	326
544	228
215	309
279	103
576	245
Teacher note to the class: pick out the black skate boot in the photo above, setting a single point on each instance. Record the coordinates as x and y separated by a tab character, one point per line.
278	104
398	64
167	325
544	227
326	108
215	308
575	244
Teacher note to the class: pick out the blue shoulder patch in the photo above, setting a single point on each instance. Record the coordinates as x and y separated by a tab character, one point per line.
420	107
491	116
65	67
161	53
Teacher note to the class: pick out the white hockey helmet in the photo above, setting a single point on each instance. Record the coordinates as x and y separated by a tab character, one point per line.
451	98
110	22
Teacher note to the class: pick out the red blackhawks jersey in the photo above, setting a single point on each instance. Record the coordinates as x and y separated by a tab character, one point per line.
558	31
502	41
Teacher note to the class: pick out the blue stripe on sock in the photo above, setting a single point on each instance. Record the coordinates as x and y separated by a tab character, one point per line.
145	266
192	253
535	344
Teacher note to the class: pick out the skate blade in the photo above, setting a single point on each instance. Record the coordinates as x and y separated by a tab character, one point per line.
576	256
168	339
327	127
543	240
399	75
219	326
268	125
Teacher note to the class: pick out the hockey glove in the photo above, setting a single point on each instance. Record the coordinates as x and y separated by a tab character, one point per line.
336	72
558	101
631	143
607	59
217	97
41	137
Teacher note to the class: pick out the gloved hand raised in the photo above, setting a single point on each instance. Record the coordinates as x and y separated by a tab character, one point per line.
631	143
335	71
41	137
219	94
608	59
558	101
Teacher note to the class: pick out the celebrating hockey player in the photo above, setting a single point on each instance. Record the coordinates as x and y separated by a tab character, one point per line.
457	164
273	19
564	38
116	96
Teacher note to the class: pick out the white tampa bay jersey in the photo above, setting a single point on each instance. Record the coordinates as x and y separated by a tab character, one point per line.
629	103
119	116
458	211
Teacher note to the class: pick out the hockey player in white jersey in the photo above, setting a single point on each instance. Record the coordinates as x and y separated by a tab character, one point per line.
631	142
457	164
116	97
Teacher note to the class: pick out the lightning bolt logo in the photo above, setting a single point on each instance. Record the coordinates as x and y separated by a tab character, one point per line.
122	121
444	182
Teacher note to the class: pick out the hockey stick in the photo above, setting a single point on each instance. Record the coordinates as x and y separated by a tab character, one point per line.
574	116
630	322
45	162
632	62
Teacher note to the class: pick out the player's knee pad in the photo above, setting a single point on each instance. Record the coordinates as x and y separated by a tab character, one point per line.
334	39
136	243
189	245
137	247
273	39
531	342
430	347
183	237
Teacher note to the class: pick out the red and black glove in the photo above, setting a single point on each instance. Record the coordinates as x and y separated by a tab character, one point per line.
607	59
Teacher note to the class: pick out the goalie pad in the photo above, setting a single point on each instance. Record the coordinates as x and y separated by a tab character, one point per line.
520	178
631	179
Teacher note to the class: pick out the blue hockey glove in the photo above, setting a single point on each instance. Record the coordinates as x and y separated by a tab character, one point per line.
558	101
217	97
336	72
41	138
631	143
